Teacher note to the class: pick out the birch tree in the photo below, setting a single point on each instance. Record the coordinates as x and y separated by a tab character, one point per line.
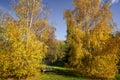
89	28
22	51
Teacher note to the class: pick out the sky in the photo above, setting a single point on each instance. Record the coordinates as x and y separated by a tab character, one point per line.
57	7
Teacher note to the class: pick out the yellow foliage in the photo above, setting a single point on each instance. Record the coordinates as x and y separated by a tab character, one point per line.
21	53
23	46
89	28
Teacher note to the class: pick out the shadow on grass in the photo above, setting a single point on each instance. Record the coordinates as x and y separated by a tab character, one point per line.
64	72
68	73
71	73
118	77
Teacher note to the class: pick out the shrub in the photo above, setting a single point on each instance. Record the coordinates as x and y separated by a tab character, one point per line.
21	53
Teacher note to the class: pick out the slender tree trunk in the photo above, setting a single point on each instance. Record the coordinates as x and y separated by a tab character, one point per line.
28	11
31	20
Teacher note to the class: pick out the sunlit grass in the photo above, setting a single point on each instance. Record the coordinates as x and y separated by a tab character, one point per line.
59	73
52	76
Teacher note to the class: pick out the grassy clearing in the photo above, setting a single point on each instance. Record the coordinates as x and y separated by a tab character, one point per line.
53	76
59	73
118	77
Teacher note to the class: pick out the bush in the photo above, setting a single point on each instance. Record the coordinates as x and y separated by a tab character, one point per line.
99	67
21	53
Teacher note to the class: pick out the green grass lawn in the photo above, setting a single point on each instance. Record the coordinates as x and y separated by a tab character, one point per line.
53	76
59	73
118	77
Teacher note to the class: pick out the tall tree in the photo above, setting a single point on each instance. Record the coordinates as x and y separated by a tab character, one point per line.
21	49
56	51
34	15
89	27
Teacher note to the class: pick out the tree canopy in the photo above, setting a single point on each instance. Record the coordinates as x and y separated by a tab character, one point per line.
89	30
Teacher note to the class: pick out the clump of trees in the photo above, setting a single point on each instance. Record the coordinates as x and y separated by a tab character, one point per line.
56	52
21	52
89	29
23	41
26	44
